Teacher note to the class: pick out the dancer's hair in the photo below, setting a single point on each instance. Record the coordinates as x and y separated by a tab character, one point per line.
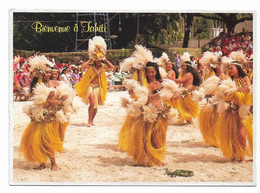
175	69
156	67
241	72
194	72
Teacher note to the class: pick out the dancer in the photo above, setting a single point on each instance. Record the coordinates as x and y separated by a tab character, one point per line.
42	137
92	88
54	79
143	134
187	107
171	70
208	114
235	116
210	62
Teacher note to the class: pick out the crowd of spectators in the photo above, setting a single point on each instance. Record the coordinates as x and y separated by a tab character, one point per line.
72	73
223	45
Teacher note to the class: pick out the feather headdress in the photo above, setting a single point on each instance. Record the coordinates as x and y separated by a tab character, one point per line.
127	64
185	57
162	72
39	65
225	60
162	60
209	58
142	56
97	48
129	84
238	56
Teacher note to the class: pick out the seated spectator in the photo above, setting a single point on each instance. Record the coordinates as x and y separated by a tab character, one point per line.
75	78
110	77
65	75
193	62
25	83
218	51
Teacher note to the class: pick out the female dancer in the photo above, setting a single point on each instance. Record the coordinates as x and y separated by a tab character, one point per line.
143	133
187	108
235	118
93	86
208	114
42	137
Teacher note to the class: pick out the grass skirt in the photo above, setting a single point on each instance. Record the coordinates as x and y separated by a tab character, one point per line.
228	132
41	140
144	141
207	122
187	108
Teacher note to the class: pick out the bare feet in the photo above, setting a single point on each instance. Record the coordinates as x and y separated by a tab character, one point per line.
90	124
243	161
161	164
190	122
234	160
54	168
41	167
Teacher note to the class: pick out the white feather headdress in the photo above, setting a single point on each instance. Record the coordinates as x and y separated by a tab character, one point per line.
128	63
162	72
185	57
129	84
97	48
225	60
209	58
162	60
142	56
38	64
238	56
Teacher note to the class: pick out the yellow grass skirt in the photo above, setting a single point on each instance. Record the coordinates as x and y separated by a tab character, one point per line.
207	119
144	141
187	108
40	141
228	132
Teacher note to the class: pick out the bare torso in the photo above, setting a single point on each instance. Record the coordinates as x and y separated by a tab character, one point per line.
154	98
189	82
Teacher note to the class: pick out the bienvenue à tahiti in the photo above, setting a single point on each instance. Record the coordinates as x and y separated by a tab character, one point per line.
86	26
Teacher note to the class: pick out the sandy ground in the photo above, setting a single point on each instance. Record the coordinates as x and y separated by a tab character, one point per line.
92	157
